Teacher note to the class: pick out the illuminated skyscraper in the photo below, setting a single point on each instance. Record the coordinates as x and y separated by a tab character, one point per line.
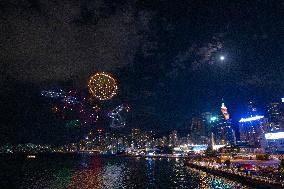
252	129
281	117
224	111
273	142
136	139
273	113
273	110
222	128
173	139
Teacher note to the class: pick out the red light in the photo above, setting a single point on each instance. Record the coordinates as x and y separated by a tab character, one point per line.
100	130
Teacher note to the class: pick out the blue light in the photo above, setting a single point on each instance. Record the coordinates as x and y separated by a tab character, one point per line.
282	99
274	136
251	119
213	118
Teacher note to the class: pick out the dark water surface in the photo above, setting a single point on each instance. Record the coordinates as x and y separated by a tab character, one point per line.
97	171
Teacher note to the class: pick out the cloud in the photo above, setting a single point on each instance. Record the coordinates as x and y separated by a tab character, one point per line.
47	40
194	57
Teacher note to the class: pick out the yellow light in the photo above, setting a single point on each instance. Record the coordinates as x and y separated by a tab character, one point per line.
102	86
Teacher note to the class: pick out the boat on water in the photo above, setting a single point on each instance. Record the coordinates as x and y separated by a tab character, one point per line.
31	156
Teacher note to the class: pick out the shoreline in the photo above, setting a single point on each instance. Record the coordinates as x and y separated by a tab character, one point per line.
247	180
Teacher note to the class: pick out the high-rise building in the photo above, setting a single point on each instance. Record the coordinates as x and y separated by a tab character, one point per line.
161	142
222	127
173	138
196	129
201	128
206	117
224	111
273	110
281	117
252	129
189	139
206	121
142	140
273	142
281	122
136	138
135	133
274	113
148	139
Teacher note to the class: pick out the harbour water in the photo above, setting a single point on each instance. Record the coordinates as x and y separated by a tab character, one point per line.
86	171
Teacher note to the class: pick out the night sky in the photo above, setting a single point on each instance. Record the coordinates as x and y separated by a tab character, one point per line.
164	54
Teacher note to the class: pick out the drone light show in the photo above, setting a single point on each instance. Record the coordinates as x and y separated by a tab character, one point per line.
62	95
102	86
53	94
117	120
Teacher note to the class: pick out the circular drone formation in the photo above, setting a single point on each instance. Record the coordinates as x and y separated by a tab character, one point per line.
102	86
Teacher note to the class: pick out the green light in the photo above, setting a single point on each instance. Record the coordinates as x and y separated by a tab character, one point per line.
73	124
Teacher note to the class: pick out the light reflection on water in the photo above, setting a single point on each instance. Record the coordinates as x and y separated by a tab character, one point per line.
116	172
95	175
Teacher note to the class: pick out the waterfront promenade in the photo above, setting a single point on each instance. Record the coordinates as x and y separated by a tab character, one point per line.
247	178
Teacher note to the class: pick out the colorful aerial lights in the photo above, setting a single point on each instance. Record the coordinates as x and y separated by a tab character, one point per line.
60	95
73	124
102	86
52	94
117	119
251	119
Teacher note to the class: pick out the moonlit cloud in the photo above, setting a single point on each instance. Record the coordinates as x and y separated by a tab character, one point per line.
194	57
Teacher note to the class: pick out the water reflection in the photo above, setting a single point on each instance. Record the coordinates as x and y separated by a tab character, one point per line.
118	172
89	175
150	173
179	178
95	174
